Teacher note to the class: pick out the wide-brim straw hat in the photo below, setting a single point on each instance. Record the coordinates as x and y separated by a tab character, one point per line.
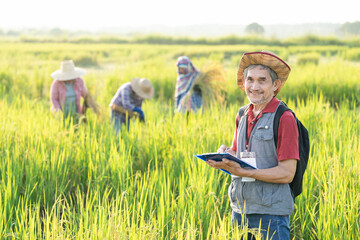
265	58
68	71
142	87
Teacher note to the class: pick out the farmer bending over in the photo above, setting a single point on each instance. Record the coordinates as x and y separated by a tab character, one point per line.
128	100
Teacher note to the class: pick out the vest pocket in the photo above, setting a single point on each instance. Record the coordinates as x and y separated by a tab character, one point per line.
263	133
235	190
231	192
258	193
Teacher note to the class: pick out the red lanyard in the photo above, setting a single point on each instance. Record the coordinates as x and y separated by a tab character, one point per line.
252	128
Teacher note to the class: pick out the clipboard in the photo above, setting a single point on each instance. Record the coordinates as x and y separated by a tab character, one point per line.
219	156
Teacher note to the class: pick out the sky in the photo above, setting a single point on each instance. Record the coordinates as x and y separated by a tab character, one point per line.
95	15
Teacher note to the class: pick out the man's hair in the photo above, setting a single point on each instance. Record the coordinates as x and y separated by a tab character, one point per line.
272	73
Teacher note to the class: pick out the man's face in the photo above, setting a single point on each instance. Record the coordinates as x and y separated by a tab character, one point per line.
258	85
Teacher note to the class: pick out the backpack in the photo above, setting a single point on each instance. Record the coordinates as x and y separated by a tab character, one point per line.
304	146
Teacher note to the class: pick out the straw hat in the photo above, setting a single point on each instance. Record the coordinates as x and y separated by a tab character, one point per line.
142	87
68	71
264	58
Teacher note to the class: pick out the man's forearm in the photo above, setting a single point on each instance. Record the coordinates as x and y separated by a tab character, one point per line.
283	173
124	111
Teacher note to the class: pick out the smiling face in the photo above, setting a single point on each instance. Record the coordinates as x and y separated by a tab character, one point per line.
259	86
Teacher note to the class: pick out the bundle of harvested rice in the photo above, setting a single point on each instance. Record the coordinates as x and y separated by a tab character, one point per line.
211	82
89	102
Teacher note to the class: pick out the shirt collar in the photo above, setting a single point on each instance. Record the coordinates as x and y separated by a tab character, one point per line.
270	108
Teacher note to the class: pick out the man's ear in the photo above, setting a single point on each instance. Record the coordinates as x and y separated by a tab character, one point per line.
277	84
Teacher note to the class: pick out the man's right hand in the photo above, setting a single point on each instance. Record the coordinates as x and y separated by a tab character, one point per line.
141	113
225	149
222	149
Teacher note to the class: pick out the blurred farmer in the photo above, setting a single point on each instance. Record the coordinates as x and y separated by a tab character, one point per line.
262	195
128	100
67	90
188	95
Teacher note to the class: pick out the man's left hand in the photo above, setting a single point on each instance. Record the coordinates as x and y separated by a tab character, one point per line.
232	167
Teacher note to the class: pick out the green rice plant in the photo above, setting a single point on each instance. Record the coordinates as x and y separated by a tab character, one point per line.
86	183
86	61
352	55
308	58
61	181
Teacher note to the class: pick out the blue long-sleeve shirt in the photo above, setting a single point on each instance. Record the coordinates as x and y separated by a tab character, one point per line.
125	97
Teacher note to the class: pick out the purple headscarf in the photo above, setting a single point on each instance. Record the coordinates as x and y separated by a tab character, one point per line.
185	81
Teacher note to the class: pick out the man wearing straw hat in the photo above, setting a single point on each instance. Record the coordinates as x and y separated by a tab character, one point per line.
128	100
262	197
67	89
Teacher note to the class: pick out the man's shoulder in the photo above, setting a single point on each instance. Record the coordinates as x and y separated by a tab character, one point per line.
125	87
242	112
287	117
243	109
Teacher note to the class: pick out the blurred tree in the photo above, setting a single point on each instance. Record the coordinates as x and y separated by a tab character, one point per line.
254	28
12	33
56	32
350	28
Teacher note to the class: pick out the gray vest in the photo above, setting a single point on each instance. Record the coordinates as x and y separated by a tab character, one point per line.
260	197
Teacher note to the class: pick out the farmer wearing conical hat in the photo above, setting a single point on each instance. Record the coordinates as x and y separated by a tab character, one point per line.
262	194
67	89
127	102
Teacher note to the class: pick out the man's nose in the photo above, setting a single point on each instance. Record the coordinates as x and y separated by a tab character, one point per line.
255	86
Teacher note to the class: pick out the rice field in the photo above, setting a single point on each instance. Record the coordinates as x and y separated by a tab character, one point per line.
61	181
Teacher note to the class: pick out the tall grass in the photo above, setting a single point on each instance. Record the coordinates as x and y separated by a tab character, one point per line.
60	181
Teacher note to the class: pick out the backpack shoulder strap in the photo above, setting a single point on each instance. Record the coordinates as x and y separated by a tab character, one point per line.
304	149
243	110
279	112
